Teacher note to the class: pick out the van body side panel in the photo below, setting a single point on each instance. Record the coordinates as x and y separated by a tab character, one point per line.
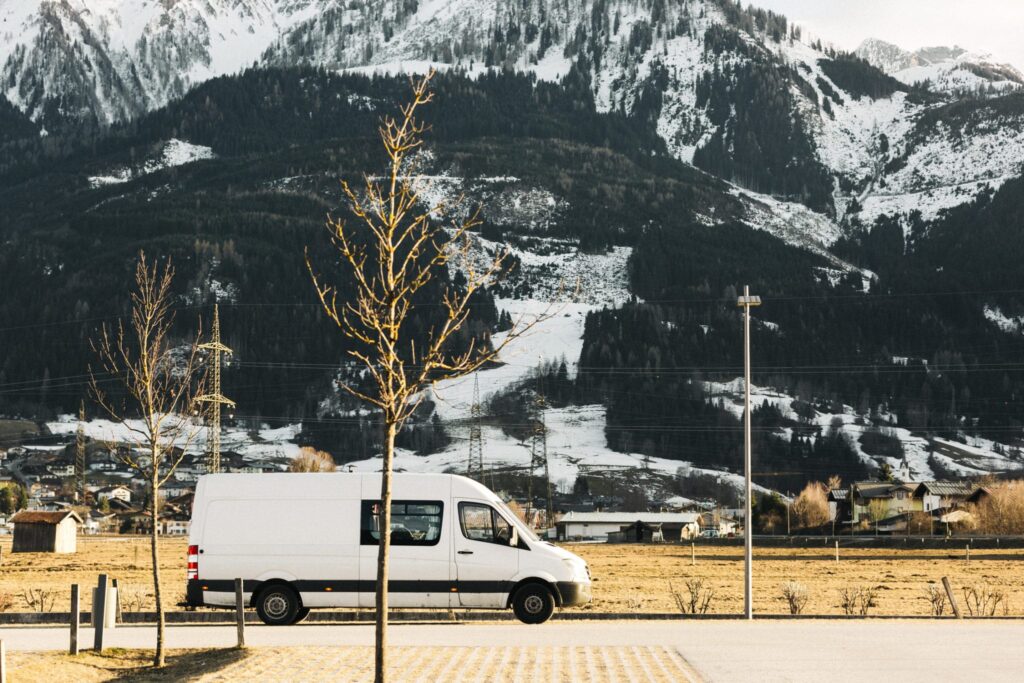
276	538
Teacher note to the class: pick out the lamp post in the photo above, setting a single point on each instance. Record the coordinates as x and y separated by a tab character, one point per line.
746	302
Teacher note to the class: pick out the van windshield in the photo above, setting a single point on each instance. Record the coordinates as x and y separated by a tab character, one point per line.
524	530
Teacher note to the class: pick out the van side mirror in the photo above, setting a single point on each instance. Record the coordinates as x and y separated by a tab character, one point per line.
513	539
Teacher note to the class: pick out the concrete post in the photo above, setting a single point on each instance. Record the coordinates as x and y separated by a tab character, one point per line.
99	612
76	617
240	612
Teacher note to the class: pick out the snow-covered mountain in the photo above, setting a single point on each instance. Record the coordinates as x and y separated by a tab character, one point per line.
945	69
670	64
110	60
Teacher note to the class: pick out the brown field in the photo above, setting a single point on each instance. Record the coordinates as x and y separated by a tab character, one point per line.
627	578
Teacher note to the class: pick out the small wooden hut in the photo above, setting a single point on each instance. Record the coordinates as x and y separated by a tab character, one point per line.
45	532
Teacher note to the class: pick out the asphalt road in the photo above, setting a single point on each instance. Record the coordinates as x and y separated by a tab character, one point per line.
797	650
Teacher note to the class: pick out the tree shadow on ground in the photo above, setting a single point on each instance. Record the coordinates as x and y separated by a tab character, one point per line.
187	666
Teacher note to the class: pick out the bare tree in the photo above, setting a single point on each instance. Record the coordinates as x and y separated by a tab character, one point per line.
159	384
396	249
312	460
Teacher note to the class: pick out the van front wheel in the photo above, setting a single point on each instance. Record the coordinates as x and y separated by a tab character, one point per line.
533	604
277	605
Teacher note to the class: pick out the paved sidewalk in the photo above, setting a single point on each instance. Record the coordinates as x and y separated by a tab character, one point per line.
465	665
735	650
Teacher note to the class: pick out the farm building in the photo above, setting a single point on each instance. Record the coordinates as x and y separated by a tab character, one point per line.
596	526
45	532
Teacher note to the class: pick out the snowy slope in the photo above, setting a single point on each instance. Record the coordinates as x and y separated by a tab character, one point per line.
945	69
576	434
174	153
983	460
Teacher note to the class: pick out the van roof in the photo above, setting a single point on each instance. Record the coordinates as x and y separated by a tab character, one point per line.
333	484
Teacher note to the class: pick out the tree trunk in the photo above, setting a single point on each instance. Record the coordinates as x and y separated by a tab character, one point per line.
381	641
158	658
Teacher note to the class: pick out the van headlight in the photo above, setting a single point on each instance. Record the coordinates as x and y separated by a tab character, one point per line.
577	569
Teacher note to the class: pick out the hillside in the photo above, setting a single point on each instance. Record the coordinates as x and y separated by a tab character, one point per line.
660	155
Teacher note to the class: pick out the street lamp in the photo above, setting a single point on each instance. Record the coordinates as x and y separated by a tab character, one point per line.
746	302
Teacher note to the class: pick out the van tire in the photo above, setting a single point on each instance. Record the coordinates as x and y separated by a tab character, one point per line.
533	603
277	605
300	615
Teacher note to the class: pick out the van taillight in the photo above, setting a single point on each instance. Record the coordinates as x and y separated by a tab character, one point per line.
193	562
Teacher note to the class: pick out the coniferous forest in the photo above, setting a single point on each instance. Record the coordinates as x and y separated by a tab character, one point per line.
238	223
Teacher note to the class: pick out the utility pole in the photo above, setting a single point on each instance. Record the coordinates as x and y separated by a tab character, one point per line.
216	398
80	454
476	441
746	302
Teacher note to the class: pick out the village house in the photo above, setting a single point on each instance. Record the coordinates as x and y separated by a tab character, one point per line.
935	495
175	489
122	493
175	527
880	499
597	526
45	532
62	469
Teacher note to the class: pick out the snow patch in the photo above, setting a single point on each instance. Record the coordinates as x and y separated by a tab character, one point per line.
174	153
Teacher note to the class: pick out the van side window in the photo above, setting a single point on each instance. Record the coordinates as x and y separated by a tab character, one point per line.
482	523
413	522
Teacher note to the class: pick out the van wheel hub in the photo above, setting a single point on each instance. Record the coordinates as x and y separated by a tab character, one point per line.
534	604
276	606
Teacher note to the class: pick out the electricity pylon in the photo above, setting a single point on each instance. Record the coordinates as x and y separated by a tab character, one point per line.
80	454
215	397
539	458
476	439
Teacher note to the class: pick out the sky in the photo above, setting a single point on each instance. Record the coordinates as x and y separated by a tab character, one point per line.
994	26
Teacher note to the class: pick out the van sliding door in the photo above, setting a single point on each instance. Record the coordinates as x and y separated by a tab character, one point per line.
421	573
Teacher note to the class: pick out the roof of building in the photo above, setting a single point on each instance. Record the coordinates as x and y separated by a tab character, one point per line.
945	488
38	517
880	489
839	494
630	517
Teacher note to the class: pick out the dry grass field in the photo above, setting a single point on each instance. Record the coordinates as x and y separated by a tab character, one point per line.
627	578
637	578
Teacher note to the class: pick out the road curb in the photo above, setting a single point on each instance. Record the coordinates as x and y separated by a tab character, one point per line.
365	617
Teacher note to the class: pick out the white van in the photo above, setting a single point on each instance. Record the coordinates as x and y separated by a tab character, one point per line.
304	541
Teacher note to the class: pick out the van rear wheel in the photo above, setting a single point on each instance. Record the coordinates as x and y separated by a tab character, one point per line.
277	605
533	604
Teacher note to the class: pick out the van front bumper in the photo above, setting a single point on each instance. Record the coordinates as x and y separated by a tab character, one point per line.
573	593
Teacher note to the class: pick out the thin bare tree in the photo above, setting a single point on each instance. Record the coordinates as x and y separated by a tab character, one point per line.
397	247
159	385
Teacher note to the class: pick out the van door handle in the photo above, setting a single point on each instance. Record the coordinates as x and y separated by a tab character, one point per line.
465	552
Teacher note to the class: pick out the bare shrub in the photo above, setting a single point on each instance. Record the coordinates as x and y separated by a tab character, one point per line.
39	599
634	601
937	600
6	601
983	601
795	594
133	598
1002	511
811	507
857	600
696	600
312	460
